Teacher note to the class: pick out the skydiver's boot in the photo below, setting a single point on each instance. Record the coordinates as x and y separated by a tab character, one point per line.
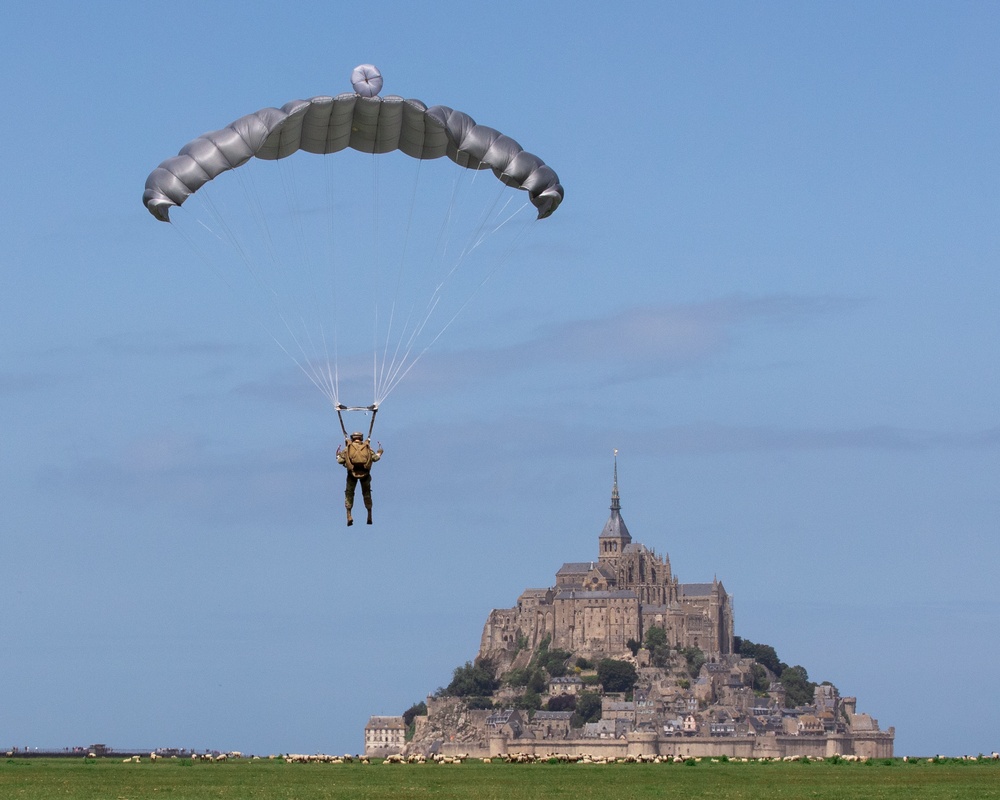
350	519
369	507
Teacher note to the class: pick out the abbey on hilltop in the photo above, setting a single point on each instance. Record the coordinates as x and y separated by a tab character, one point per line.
619	658
597	607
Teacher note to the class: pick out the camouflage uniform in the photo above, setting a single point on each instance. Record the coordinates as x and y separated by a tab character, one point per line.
358	473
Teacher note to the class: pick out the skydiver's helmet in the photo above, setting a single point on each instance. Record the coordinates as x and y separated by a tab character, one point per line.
357	436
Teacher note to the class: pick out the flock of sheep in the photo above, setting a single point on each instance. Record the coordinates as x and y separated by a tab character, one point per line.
528	758
522	758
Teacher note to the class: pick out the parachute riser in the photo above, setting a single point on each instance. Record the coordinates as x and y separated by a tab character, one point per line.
371	426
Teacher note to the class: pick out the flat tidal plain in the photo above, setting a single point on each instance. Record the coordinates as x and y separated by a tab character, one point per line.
245	779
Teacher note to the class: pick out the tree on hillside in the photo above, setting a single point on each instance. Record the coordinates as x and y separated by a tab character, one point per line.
537	682
472	680
655	637
554	662
656	643
414	711
616	676
761	653
529	701
799	689
694	658
518	676
562	702
588	709
761	679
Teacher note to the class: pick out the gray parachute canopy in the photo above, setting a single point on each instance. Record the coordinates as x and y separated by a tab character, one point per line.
369	124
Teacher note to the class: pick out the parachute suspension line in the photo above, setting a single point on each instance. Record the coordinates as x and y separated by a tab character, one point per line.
258	215
444	233
188	213
400	268
221	226
302	360
402	367
318	372
225	234
515	237
485	215
377	270
482	230
314	262
397	289
305	261
399	360
461	308
334	262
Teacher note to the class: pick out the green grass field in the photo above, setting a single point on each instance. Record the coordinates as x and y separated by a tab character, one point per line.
109	779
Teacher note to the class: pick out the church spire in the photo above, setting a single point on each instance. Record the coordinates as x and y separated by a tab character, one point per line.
615	502
615	535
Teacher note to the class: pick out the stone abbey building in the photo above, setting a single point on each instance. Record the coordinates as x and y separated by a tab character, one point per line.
726	705
597	607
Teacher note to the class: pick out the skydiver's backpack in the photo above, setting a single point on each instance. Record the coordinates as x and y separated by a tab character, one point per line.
359	455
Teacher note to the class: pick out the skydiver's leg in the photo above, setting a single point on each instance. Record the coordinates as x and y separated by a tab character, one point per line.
352	483
366	494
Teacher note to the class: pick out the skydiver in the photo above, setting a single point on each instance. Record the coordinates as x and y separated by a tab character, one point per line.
357	456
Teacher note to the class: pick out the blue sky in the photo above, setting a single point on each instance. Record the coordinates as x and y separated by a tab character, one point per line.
772	286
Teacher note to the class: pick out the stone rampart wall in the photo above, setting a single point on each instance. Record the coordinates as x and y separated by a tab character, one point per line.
876	745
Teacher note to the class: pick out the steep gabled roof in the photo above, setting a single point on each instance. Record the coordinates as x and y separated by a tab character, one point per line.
576	568
383	723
